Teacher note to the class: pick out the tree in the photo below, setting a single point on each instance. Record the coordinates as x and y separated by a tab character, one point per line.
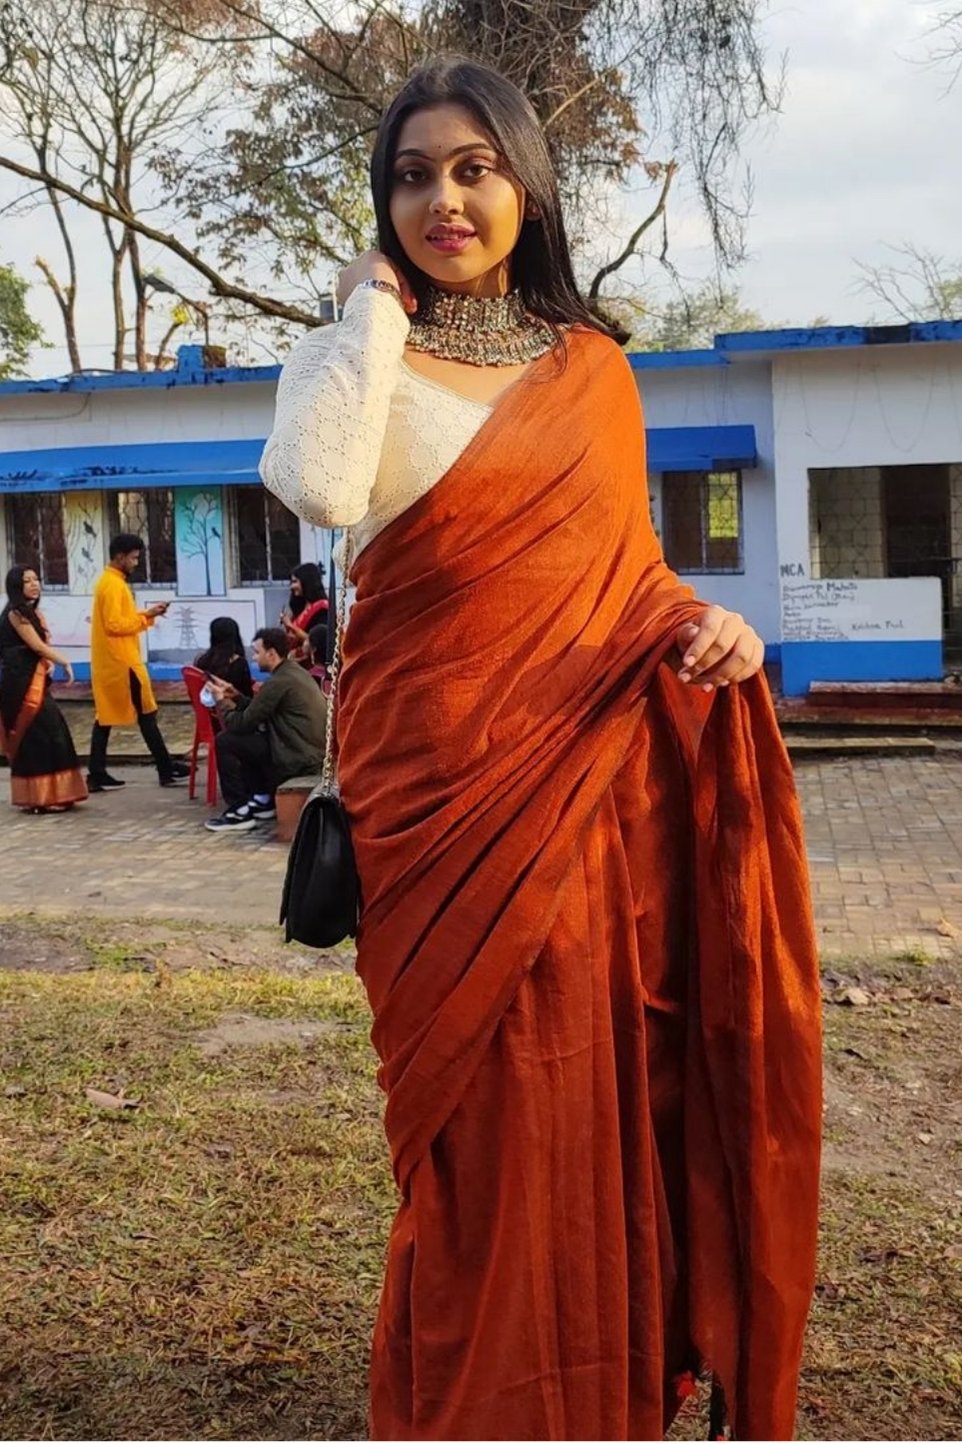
918	286
95	90
265	208
691	322
19	332
946	35
293	179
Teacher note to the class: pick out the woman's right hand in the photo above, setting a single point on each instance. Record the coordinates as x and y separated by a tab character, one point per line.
68	670
375	266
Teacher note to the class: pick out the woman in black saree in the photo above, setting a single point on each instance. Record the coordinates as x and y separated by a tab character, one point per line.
44	772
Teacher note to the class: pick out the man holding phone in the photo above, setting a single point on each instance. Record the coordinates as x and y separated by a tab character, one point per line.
121	684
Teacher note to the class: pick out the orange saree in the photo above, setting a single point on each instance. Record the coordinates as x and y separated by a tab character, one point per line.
587	943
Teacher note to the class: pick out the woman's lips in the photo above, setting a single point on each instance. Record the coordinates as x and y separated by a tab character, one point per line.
452	243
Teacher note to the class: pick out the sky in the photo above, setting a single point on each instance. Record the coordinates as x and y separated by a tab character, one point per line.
859	160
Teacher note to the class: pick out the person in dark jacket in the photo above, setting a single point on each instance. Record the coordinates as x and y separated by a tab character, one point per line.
277	734
225	658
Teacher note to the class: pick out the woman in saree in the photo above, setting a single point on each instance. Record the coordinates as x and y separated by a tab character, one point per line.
306	608
585	932
44	772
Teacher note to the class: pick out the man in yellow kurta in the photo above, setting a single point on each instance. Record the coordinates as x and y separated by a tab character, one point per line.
121	684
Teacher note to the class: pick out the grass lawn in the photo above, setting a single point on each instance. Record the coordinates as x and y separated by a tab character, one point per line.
205	1264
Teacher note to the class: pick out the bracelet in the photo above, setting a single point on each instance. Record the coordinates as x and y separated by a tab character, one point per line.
376	284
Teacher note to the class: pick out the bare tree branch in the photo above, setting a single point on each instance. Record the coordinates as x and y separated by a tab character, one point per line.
670	170
219	285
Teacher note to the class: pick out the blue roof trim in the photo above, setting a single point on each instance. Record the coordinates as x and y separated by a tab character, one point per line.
113	468
234	463
825	338
802	338
701	448
142	380
673	360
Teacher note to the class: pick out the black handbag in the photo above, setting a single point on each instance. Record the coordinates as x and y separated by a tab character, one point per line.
321	898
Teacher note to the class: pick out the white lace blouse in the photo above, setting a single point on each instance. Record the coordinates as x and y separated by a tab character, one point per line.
358	434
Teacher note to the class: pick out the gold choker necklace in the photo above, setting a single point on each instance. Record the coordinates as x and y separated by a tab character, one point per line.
482	330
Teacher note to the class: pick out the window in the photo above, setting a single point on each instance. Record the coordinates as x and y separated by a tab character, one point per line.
35	525
268	536
702	520
149	515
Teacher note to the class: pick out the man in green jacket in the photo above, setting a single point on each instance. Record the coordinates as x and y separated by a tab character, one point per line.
276	734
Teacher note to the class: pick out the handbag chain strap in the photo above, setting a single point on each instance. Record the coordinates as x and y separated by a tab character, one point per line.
328	786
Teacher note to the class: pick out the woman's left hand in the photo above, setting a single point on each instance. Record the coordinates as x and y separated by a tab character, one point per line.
719	649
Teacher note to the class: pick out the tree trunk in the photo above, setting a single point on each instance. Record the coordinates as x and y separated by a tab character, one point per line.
117	256
66	295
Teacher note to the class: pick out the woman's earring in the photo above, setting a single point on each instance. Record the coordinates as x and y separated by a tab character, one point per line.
531	212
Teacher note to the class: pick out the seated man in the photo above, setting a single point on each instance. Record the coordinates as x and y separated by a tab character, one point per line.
267	738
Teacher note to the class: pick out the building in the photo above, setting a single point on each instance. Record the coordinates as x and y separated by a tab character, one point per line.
811	479
171	456
838	532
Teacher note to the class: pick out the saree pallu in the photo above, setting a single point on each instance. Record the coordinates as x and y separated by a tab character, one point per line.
34	736
586	939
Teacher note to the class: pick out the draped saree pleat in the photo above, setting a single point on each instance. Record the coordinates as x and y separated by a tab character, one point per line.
586	938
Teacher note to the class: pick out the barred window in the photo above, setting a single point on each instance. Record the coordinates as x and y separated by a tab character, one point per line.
702	521
35	527
148	514
268	536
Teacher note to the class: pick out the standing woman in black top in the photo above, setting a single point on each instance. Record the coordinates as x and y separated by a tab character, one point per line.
44	773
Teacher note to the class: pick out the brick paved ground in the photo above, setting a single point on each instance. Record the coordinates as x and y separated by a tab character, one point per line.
176	723
885	850
141	852
884	842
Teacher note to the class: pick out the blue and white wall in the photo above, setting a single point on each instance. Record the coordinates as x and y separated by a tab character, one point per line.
699	390
774	405
192	431
865	406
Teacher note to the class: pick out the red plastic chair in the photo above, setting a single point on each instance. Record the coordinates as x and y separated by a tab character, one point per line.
205	732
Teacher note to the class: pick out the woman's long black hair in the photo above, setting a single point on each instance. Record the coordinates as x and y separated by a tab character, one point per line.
226	643
312	588
16	601
542	270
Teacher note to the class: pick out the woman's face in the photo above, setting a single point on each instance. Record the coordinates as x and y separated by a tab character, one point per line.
455	205
296	587
31	586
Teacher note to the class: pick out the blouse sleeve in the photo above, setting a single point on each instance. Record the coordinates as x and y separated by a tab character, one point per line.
333	401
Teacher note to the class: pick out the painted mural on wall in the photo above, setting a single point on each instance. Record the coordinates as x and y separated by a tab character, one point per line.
68	617
84	532
185	630
199	538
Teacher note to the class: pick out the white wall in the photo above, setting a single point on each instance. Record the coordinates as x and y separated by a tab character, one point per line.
738	395
233	412
861	407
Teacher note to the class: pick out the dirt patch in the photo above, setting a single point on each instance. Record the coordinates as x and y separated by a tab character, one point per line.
71	944
244	1030
27	948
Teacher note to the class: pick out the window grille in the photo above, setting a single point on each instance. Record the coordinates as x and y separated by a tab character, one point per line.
268	536
702	521
36	530
148	514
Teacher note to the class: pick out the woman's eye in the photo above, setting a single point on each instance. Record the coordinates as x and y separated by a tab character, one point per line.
410	175
477	169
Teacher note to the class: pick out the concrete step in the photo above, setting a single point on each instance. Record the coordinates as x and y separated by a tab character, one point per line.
930	696
848	744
